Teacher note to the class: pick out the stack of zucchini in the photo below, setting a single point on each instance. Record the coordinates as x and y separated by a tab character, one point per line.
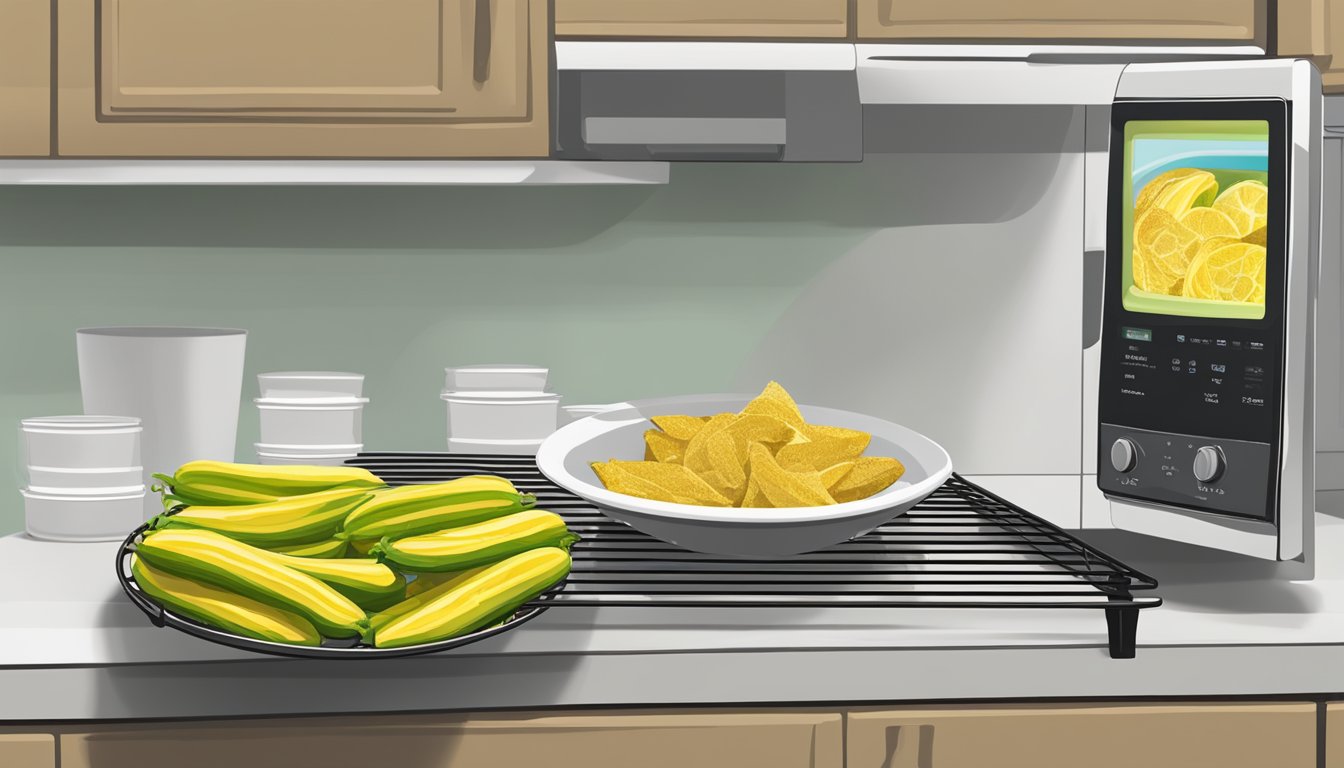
298	554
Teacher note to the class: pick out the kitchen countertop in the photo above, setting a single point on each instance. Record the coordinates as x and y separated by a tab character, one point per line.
77	649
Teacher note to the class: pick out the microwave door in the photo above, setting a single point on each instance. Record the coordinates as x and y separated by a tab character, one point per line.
1205	400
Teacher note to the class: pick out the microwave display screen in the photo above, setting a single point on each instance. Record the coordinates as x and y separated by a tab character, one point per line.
1196	206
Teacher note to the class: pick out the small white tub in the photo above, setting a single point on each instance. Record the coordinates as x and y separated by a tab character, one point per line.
501	415
83	517
81	442
311	455
61	480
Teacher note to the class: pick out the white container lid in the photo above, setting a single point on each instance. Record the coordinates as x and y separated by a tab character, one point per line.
494	377
310	384
500	398
81	425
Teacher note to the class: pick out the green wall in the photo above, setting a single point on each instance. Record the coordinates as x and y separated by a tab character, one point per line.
623	292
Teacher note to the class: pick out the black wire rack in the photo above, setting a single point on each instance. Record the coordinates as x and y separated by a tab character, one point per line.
962	547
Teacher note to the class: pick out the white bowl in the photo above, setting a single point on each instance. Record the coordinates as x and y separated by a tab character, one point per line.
304	384
501	415
81	442
517	378
566	456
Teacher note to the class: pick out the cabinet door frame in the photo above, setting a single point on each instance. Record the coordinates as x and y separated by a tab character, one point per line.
25	90
1036	20
705	19
86	130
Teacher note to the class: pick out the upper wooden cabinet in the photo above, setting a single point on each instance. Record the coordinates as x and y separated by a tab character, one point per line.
1315	29
25	78
702	18
1334	734
303	78
1221	21
1230	735
27	750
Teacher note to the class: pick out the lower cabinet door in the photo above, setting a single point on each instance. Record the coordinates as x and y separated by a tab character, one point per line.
1249	735
616	740
27	750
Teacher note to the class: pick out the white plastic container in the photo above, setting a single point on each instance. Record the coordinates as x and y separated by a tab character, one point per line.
495	378
84	517
323	455
81	442
501	415
312	421
184	384
509	447
288	385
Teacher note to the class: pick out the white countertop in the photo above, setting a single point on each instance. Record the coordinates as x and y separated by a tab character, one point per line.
79	649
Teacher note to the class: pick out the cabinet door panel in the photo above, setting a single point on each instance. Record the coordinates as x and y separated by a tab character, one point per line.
1193	20
702	18
1101	736
616	740
370	58
27	750
25	77
303	78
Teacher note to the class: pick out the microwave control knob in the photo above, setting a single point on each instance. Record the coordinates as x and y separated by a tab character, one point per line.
1209	463
1124	456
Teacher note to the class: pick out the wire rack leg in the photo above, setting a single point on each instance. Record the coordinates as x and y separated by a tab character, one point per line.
1121	626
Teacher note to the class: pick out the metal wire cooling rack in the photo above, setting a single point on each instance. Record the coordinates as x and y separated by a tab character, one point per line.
963	547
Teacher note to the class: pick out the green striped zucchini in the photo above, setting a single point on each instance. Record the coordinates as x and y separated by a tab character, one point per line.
414	509
468	546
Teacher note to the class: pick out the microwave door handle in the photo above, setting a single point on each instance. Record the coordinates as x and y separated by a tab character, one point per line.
480	65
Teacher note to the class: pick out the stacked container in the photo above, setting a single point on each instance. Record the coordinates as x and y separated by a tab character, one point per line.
82	477
311	417
498	409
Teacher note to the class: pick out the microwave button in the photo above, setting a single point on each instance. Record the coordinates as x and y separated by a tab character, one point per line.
1209	464
1124	456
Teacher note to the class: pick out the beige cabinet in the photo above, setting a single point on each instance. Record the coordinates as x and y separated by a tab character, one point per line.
25	78
1196	21
702	18
303	78
617	740
1315	29
1232	735
1334	734
27	750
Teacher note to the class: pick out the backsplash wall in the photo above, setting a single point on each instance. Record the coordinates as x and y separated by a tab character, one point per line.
624	292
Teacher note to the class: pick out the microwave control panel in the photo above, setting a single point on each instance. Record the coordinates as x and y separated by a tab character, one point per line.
1190	417
1229	476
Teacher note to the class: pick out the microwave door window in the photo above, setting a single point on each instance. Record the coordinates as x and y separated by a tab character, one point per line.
1196	205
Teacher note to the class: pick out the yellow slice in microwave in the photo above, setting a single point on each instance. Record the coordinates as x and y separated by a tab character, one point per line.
1168	244
1198	282
1230	272
1256	237
870	475
1246	203
784	488
1209	222
680	427
658	481
1195	188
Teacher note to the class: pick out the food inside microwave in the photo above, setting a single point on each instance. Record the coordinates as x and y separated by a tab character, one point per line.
1198	237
